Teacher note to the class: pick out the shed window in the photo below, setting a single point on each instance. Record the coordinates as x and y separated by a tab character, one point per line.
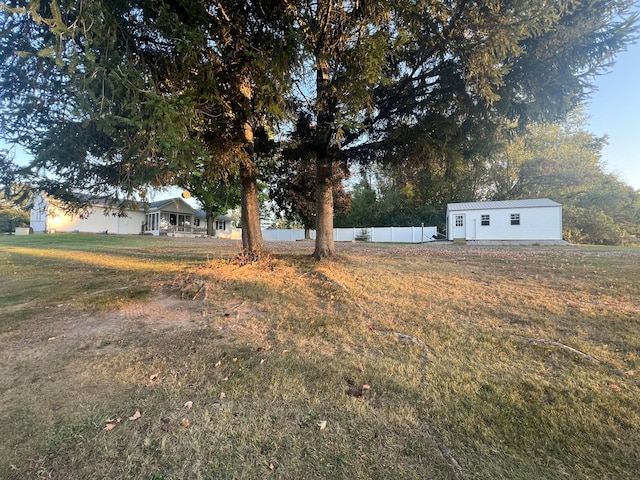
515	219
484	220
459	221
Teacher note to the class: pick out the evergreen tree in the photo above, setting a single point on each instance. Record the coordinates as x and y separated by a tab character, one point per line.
293	186
151	89
435	81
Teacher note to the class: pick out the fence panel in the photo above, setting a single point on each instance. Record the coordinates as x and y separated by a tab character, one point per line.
345	234
284	235
371	234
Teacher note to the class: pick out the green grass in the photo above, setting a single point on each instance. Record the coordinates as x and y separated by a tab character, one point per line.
463	350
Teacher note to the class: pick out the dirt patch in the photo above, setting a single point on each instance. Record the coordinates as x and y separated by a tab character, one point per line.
64	331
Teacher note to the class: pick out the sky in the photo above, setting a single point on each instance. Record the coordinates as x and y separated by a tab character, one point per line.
613	110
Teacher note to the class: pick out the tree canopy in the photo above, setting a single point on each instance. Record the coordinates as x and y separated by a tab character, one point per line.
292	187
564	162
112	96
561	161
435	82
152	90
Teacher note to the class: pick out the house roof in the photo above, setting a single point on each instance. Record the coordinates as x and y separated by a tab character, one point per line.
504	204
220	218
173	203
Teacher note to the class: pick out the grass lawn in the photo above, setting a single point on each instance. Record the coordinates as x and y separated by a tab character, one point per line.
159	358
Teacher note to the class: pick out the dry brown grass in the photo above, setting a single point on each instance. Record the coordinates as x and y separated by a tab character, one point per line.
428	361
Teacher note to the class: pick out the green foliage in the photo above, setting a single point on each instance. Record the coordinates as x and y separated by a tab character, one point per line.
292	187
12	186
159	89
563	162
11	217
582	225
391	203
150	92
364	207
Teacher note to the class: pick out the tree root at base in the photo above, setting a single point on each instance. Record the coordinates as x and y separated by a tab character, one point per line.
562	346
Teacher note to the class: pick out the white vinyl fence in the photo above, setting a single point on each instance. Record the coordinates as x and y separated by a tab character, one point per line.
371	234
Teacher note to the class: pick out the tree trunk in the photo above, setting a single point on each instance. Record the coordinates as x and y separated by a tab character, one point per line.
325	246
252	242
211	232
307	232
325	109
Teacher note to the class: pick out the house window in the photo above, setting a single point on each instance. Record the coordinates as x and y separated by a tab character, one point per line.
484	220
515	219
221	225
459	221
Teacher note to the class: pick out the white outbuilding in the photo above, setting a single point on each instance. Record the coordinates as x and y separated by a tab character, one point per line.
530	220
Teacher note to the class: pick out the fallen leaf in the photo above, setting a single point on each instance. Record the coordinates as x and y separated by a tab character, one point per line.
135	416
154	377
235	359
225	379
366	387
223	395
630	373
322	424
185	422
218	363
261	361
188	405
615	387
109	426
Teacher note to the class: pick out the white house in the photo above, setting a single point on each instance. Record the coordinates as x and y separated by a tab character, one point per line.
531	220
173	217
48	216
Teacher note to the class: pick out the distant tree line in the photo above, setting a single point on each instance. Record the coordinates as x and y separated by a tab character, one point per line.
561	161
13	201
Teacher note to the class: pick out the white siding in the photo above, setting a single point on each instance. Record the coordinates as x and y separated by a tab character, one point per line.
536	223
39	214
96	222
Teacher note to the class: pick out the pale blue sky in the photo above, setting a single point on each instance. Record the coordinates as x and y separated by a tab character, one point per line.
614	110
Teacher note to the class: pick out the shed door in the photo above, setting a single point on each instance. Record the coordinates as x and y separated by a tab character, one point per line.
459	226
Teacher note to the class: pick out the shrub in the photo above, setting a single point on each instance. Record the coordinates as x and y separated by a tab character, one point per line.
592	226
12	217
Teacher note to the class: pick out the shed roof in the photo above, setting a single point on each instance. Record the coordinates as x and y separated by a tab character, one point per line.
504	204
